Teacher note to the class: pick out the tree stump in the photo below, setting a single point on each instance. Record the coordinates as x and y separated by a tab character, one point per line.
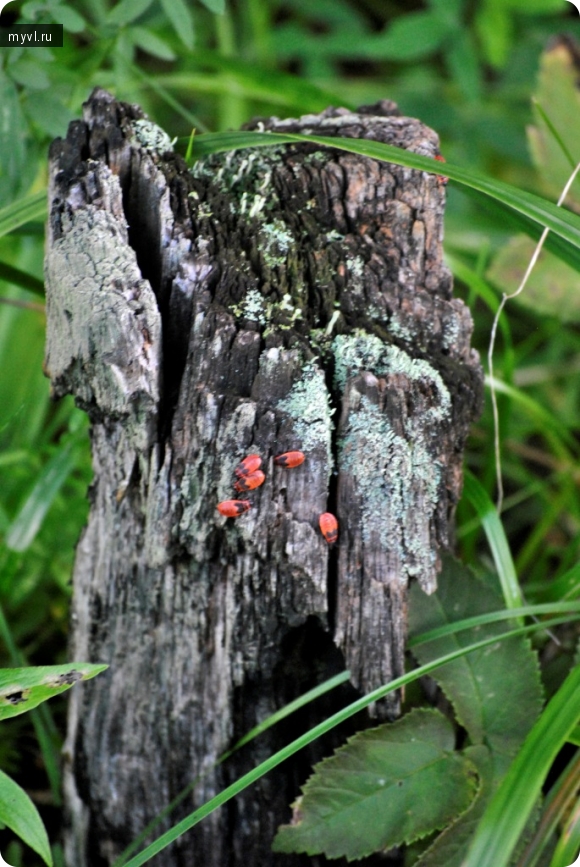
268	300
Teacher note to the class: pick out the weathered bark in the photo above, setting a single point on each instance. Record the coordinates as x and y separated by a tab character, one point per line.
268	300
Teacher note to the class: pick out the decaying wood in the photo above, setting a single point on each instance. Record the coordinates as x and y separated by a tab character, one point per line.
267	300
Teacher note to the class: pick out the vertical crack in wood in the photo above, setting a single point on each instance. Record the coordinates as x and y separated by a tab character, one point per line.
265	301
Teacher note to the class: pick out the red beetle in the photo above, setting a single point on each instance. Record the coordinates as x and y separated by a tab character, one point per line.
233	508
289	459
248	465
328	527
441	178
251	481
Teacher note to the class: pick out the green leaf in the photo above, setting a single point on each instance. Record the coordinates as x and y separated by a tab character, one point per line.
13	134
19	814
410	37
30	73
22	211
553	289
21	278
554	139
386	786
21	689
181	20
216	6
27	522
501	714
317	731
545	213
496	694
479	499
151	43
126	11
508	811
70	19
48	112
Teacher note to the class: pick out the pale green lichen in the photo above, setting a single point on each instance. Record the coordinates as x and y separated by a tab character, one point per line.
396	473
151	137
275	241
398	481
360	351
398	329
308	406
245	175
253	306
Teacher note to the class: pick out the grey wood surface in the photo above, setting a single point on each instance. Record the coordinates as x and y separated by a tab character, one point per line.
267	300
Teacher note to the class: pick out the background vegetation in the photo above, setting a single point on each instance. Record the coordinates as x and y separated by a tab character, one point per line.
468	69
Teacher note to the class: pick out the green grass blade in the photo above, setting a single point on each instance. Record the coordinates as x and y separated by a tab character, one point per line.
541	211
25	210
22	279
285	711
490	520
27	522
316	732
493	617
510	808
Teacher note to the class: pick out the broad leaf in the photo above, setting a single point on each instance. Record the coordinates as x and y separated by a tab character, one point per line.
554	138
553	287
511	806
496	694
21	689
181	19
386	786
19	814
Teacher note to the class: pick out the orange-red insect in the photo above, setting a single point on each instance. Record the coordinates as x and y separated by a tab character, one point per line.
233	508
328	527
441	178
251	481
289	459
248	465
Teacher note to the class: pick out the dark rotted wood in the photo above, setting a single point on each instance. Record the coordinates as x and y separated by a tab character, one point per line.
268	300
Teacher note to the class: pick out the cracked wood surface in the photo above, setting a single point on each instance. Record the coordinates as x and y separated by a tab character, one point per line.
269	300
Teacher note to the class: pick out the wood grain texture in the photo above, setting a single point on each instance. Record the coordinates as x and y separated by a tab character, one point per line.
268	300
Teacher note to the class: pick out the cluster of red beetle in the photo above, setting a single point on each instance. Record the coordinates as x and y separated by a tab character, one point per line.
250	476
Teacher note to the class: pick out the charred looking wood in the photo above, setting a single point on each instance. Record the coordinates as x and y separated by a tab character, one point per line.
265	300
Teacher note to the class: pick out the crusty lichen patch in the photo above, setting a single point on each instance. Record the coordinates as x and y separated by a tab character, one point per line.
397	476
151	137
308	405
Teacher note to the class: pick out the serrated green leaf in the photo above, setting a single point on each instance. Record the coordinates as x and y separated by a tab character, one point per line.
151	43
19	814
21	689
496	694
181	19
27	522
126	11
216	6
512	804
553	287
451	844
388	785
557	104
